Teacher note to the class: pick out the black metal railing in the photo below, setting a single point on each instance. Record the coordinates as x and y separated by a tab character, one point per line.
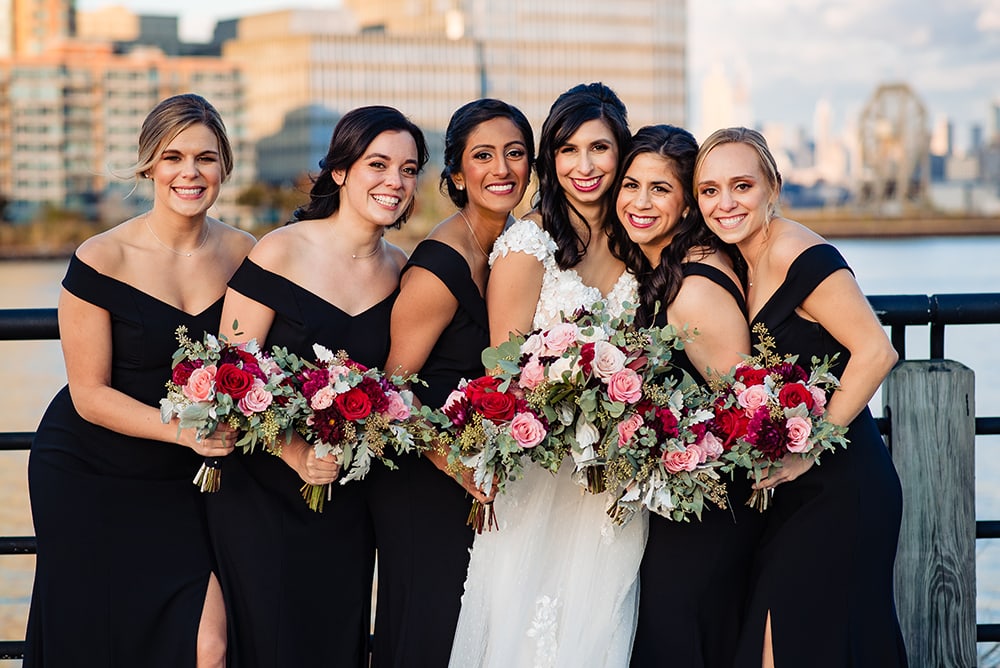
895	311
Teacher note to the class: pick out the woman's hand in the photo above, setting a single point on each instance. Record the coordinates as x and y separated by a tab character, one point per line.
466	479
313	470
217	444
792	466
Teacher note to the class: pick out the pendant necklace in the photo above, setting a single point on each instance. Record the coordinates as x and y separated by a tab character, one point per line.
474	237
204	238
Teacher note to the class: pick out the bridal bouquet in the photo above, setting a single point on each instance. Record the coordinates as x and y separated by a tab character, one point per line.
664	457
582	375
489	427
214	381
355	413
769	407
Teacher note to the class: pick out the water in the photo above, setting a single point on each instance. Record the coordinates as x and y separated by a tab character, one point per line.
33	371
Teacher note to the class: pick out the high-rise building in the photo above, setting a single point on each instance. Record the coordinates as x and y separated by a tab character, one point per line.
40	25
70	118
428	57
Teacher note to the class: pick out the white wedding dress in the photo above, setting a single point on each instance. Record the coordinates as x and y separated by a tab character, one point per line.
557	584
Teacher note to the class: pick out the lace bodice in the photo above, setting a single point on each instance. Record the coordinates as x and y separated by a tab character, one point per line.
563	291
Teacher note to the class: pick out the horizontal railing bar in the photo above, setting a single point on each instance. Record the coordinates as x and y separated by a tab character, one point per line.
11	649
18	545
27	324
987	632
988	529
16	440
987	426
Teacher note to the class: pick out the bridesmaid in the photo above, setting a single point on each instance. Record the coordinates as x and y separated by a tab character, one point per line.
439	328
688	272
124	574
822	587
298	583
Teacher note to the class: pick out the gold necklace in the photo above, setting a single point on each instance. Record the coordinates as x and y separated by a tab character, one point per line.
204	238
474	237
378	247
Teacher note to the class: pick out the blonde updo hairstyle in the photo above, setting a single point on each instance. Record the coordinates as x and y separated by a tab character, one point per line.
171	117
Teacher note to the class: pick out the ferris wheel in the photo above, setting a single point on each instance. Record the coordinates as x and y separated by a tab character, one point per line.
895	150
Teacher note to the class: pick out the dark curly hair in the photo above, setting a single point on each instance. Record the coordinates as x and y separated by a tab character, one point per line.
659	285
355	131
463	122
582	103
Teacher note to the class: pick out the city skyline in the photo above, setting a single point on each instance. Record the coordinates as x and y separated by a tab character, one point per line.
786	55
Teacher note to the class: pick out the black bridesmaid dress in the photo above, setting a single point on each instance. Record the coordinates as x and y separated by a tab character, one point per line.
123	550
695	575
824	568
420	514
297	583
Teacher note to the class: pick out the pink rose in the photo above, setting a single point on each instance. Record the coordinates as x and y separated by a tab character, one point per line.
625	386
256	400
397	409
323	398
608	360
560	337
200	385
627	428
712	446
799	429
819	400
527	430
532	374
752	398
676	461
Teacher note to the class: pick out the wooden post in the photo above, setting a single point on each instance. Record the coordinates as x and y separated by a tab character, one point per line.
931	408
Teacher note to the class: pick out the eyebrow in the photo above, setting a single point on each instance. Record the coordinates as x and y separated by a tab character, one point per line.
385	157
175	150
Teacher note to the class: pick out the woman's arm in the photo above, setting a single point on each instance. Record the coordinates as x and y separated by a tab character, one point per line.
243	319
420	315
512	295
840	307
722	335
85	334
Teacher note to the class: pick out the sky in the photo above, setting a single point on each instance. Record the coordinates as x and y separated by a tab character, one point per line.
788	53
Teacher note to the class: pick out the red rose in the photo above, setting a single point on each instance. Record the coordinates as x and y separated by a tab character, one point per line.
750	376
354	404
183	371
586	355
793	394
729	425
233	381
497	406
475	389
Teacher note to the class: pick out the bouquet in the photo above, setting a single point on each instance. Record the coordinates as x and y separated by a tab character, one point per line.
582	375
348	410
769	407
488	427
663	456
214	381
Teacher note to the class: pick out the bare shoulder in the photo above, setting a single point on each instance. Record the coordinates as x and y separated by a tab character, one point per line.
789	240
282	245
534	216
106	252
396	255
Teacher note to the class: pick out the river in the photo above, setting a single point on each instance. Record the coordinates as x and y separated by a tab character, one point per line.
32	372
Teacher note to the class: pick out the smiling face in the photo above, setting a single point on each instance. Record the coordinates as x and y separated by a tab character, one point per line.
650	202
734	194
187	175
379	186
586	164
495	166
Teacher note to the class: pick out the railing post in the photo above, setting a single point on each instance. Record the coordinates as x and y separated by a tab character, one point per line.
931	405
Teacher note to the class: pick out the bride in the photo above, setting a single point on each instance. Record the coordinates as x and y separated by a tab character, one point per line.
557	585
